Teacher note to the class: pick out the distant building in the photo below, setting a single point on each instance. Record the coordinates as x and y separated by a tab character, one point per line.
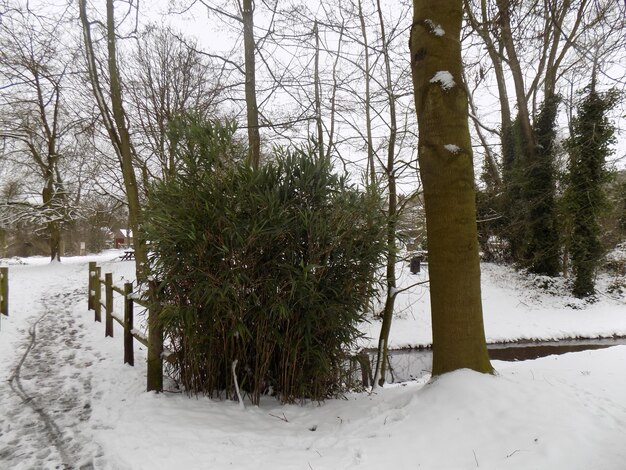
123	238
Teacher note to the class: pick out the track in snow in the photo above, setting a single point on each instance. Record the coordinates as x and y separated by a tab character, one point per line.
45	404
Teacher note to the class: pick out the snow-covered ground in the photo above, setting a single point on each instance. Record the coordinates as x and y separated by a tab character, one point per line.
515	308
67	401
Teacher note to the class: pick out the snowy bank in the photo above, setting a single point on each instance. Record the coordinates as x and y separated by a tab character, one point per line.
515	308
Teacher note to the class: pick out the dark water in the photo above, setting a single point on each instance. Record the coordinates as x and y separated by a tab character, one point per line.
411	364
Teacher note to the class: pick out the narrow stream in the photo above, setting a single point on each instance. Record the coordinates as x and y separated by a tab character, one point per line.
411	364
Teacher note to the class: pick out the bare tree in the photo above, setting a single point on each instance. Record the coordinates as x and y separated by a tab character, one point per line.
166	78
35	123
244	16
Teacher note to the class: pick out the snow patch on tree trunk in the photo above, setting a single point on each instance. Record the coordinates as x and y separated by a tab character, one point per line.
435	28
452	148
444	78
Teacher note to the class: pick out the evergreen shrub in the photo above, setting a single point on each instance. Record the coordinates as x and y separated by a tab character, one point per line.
272	268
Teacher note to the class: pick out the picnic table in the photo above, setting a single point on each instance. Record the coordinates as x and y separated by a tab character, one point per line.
128	255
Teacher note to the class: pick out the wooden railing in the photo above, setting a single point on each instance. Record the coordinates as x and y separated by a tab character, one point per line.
4	291
154	343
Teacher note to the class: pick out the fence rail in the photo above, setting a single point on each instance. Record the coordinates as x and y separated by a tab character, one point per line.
153	342
4	291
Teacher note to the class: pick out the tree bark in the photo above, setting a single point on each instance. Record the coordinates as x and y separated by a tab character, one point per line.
318	93
254	137
447	173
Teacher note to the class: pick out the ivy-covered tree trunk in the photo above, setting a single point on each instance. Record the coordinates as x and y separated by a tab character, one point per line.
589	146
446	169
513	207
543	246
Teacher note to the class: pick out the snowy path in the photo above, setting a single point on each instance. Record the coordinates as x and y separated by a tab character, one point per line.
45	395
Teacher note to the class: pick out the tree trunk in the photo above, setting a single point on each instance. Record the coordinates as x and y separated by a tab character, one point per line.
447	173
368	118
481	27
115	123
333	98
126	151
254	138
318	92
518	80
3	243
54	232
383	345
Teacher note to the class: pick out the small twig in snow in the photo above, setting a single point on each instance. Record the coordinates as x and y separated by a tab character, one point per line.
512	453
475	459
283	418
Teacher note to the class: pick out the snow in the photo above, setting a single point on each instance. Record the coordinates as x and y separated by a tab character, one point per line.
515	308
79	406
452	148
444	78
435	28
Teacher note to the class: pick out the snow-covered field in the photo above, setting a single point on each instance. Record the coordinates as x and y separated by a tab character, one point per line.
67	401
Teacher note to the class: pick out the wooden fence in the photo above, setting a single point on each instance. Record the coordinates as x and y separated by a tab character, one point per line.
4	291
153	341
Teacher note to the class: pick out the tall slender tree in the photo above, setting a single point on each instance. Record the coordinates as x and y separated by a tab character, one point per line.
446	169
114	117
254	138
392	205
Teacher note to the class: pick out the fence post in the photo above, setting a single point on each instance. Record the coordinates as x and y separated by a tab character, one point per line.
108	309
91	285
155	343
4	291
97	304
129	354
